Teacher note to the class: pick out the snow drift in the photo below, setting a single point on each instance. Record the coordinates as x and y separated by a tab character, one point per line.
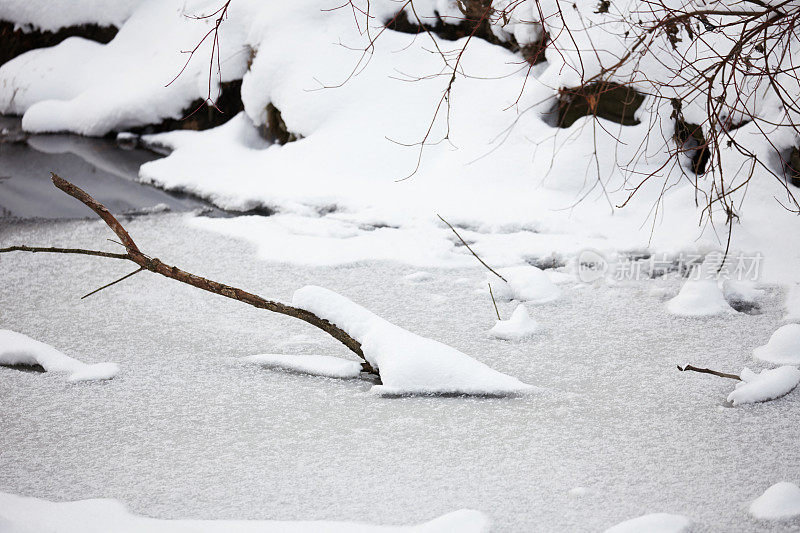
19	514
408	363
19	349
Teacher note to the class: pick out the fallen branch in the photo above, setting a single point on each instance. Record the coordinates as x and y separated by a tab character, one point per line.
709	371
157	266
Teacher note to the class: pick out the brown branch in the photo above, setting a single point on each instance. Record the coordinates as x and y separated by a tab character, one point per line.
709	371
470	249
172	272
494	302
107	285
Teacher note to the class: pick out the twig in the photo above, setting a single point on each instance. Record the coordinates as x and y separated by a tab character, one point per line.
123	278
709	371
471	250
172	272
495	303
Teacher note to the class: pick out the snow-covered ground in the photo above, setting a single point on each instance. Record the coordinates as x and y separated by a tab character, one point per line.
187	431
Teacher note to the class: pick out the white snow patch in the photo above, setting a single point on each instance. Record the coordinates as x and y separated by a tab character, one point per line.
52	16
104	515
408	363
317	365
519	326
792	304
19	349
525	283
699	297
783	347
742	291
653	523
766	385
419	276
578	492
780	501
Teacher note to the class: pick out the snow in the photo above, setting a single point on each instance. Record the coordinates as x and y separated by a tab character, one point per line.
699	297
532	195
766	385
653	523
283	446
419	276
525	283
779	502
407	363
51	16
318	365
519	326
103	515
792	304
19	349
783	347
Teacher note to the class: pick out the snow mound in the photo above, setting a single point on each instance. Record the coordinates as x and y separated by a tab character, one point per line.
653	523
408	363
783	347
519	326
419	276
19	349
103	515
781	500
52	16
525	283
317	365
766	385
742	292
699	297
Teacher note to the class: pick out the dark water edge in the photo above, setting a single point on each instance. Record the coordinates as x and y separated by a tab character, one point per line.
106	170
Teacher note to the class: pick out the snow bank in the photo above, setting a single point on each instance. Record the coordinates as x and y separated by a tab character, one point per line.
104	515
783	347
317	365
525	283
699	297
519	326
653	523
766	385
19	349
92	89
780	501
408	363
52	16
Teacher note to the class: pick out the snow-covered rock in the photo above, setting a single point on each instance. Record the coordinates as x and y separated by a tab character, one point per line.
408	363
780	501
653	523
20	514
783	347
317	365
519	326
19	349
766	385
699	297
525	283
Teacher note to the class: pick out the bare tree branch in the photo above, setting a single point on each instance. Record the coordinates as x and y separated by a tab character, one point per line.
157	266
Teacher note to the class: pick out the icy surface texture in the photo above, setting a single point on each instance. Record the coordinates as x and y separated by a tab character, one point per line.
779	502
183	433
19	349
653	523
318	365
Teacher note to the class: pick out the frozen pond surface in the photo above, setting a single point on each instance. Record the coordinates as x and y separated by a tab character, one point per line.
185	432
98	165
